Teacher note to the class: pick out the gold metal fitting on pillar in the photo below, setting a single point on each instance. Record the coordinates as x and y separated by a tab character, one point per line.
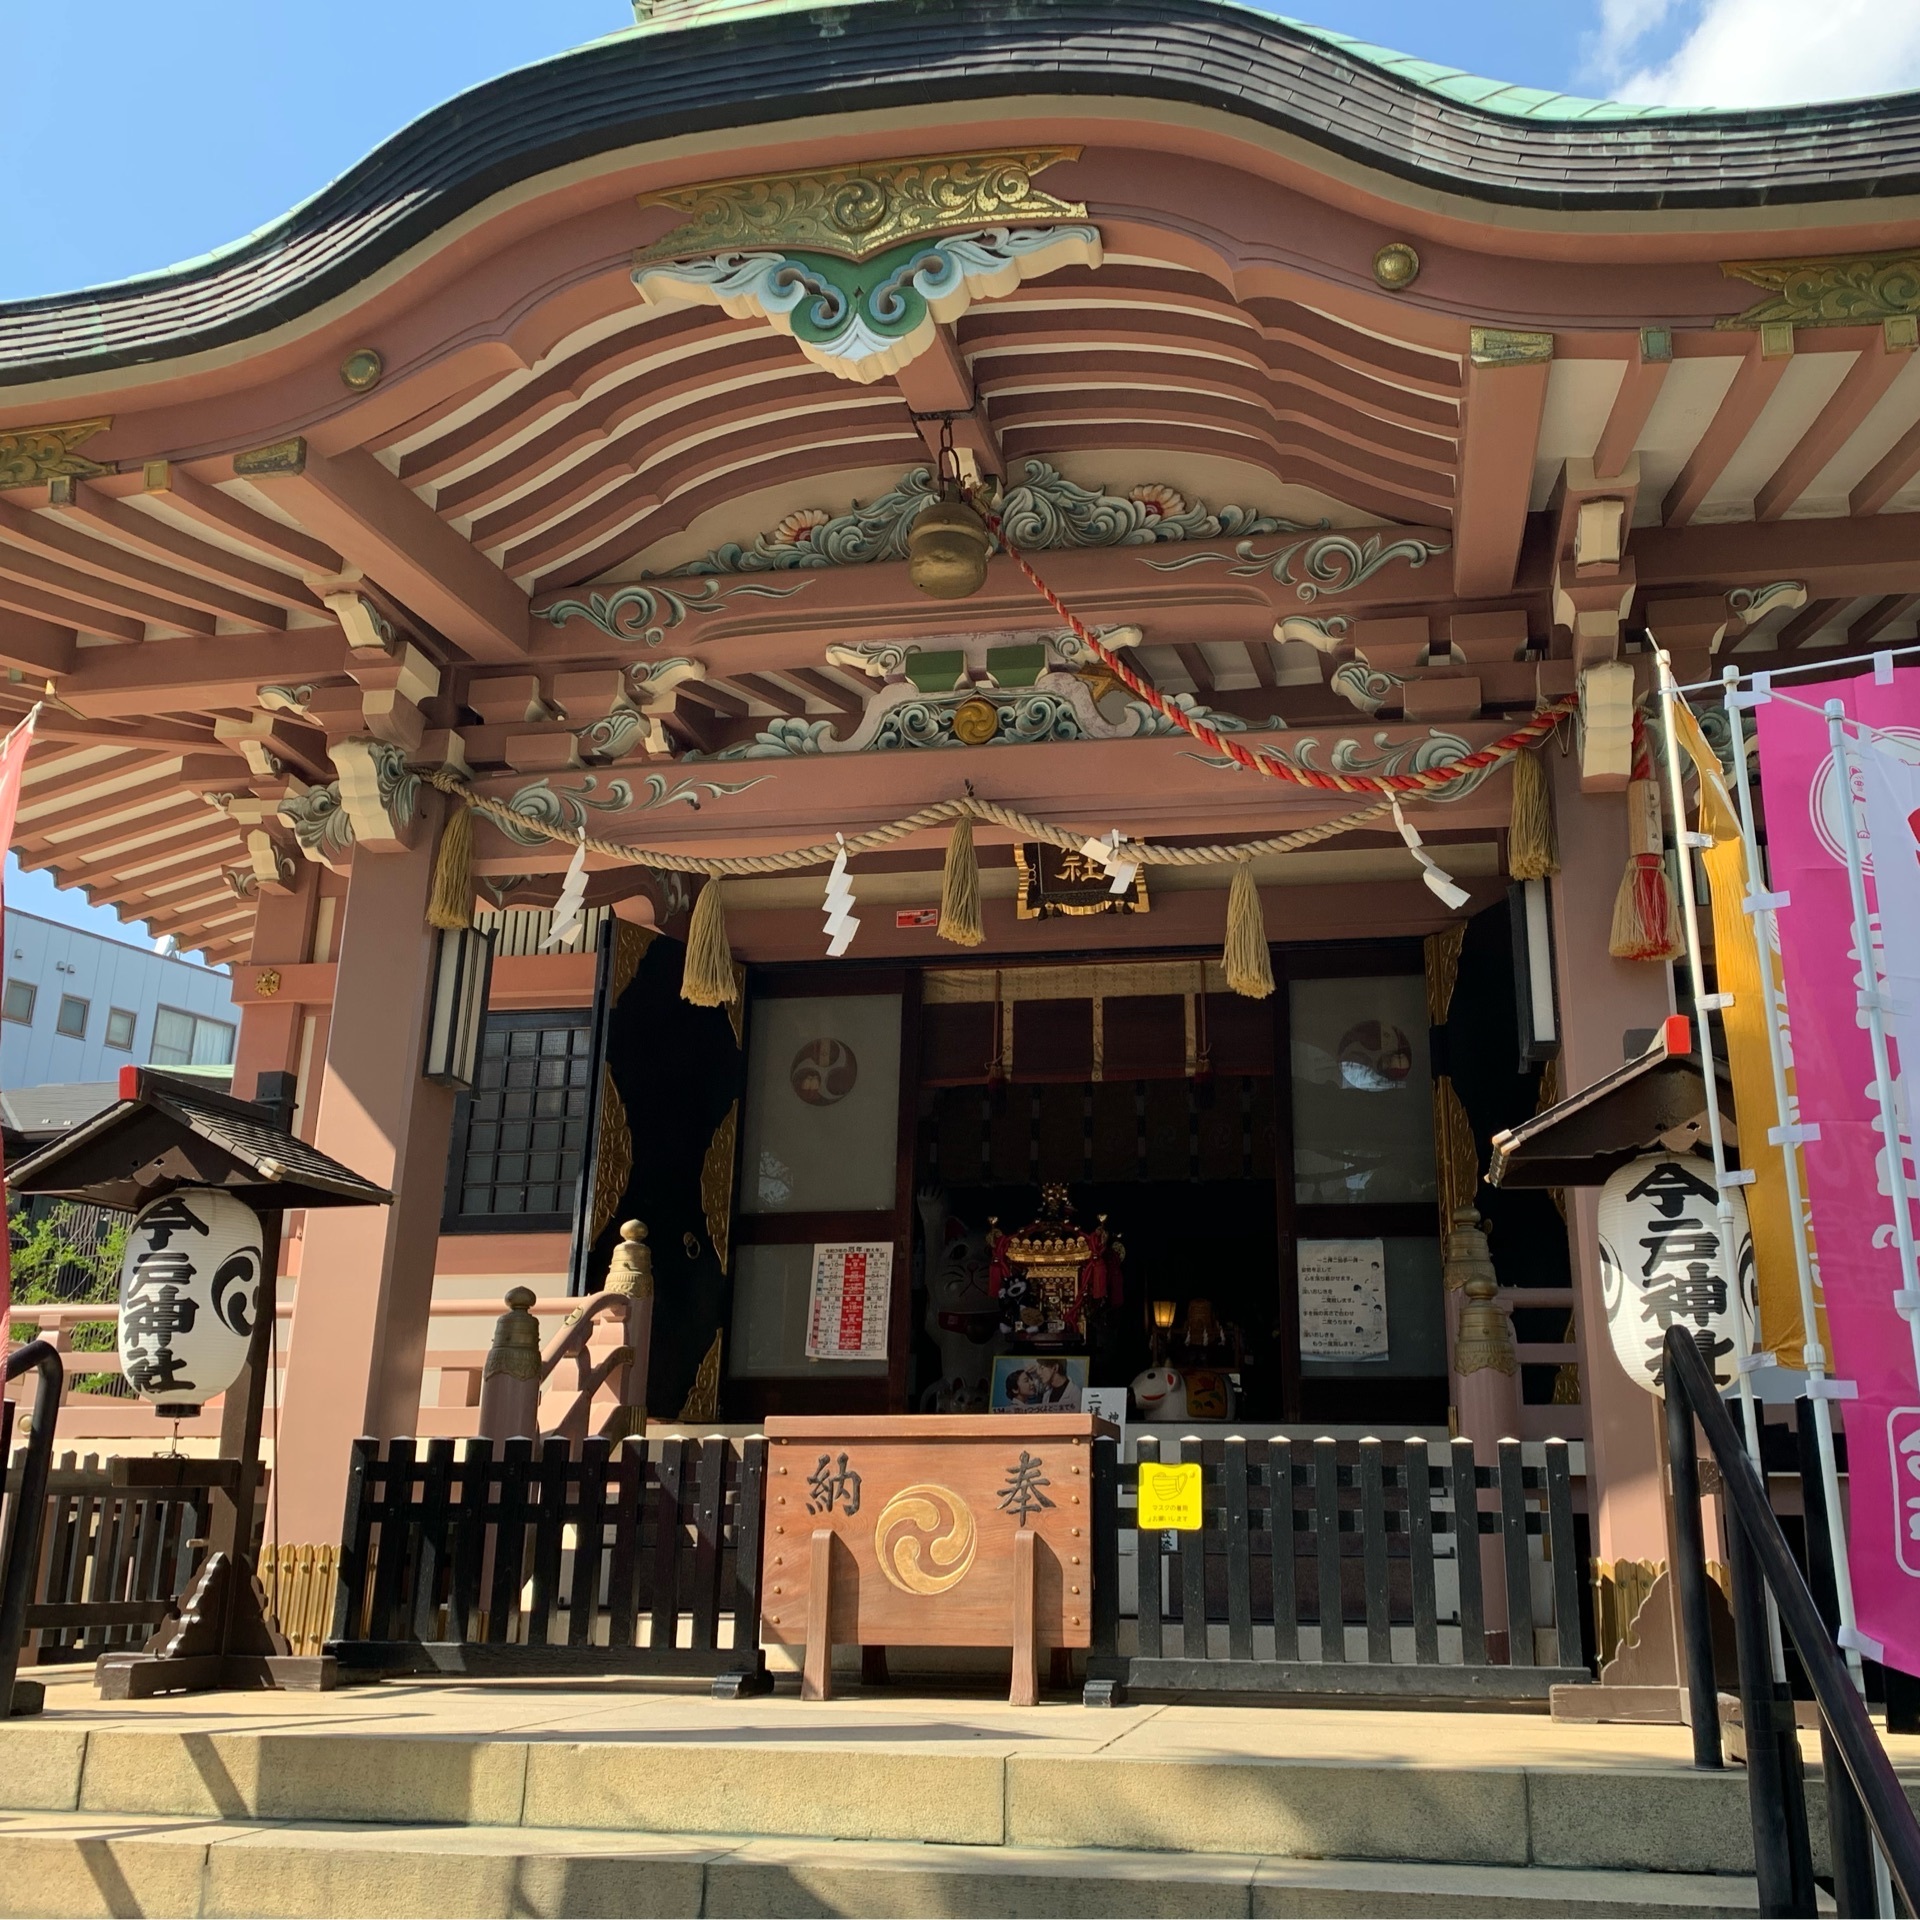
948	545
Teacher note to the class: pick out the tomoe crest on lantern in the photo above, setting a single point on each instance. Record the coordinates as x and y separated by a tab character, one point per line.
1661	1265
189	1291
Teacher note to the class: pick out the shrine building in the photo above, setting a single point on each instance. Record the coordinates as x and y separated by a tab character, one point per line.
664	447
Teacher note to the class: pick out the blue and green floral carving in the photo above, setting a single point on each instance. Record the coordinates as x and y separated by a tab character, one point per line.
1046	511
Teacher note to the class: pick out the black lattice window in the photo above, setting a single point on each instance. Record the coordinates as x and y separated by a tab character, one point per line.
519	1135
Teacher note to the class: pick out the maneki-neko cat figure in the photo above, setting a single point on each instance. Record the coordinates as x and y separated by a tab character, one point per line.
962	1318
1050	1274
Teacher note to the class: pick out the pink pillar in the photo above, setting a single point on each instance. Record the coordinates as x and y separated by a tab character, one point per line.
1601	999
360	1316
282	936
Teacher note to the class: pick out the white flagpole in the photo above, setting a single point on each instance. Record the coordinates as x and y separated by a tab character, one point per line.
1705	1003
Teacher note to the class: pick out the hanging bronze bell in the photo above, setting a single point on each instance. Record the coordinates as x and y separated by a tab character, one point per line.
947	549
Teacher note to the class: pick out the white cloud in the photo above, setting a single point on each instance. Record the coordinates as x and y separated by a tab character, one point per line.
1755	53
1623	25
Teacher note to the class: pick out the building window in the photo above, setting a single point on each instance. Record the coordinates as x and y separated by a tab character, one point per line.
518	1137
190	1040
18	1004
120	1025
73	1017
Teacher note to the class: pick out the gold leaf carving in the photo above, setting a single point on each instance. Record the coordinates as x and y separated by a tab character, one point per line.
1502	347
630	944
613	1163
856	212
703	1397
716	1183
925	1539
1833	290
29	455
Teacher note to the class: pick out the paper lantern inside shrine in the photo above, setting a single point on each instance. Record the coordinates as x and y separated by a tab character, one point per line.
1661	1264
189	1292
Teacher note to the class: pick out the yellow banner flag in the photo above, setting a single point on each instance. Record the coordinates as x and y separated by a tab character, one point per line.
1736	965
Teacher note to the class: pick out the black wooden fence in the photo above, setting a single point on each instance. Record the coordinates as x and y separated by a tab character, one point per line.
555	1558
1319	1534
118	1544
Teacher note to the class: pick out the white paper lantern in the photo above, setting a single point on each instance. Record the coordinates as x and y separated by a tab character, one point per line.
189	1291
1660	1264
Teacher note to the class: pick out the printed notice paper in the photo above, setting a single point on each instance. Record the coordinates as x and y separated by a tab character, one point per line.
1343	1300
847	1310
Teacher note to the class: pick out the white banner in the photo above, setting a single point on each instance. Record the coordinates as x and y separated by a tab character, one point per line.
1892	785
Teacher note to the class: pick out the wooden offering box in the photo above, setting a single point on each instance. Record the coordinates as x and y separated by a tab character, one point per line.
929	1530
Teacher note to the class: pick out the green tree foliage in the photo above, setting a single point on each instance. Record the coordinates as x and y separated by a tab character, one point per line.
70	1255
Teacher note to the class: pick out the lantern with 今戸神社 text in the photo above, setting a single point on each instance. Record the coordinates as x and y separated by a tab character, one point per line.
1662	1265
189	1292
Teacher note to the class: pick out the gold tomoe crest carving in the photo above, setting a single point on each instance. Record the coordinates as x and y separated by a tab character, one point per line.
29	455
856	212
924	1539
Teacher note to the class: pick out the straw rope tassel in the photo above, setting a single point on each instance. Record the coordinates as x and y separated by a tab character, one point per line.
960	889
1646	919
1248	964
707	980
451	903
1533	847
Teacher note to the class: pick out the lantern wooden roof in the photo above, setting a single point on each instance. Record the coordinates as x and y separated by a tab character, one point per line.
487	454
1656	1100
163	1133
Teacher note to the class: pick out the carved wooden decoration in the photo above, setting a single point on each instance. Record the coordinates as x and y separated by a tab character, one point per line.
929	1530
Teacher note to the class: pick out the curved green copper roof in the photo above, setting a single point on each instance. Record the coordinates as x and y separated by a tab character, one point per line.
736	65
1472	90
1451	83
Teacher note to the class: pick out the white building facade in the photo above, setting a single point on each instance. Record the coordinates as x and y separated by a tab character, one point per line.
76	1006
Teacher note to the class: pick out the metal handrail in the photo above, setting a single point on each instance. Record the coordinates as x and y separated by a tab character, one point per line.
20	1551
1761	1562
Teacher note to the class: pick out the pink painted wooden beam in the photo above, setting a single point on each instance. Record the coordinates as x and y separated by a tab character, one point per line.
1631	406
1807	622
1733	420
1195	662
78	583
110	564
1880	616
1889	474
35	646
101	512
939	381
194	499
1504	407
1865	384
57	610
163	676
355	505
1844	558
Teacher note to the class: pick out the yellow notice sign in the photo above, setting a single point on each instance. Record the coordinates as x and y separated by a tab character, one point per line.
1170	1498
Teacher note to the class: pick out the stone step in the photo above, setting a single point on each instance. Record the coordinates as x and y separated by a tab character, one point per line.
973	1791
57	1864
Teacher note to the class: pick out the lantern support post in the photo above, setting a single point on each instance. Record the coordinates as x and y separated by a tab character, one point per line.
164	1142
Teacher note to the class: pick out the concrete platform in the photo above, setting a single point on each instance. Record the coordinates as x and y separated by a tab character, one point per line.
438	1797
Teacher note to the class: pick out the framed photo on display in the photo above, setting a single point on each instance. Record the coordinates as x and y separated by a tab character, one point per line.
1038	1383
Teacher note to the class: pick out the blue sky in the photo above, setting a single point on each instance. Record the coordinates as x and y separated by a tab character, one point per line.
179	128
184	126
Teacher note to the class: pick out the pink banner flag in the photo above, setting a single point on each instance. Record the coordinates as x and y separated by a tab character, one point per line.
1850	1179
13	764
